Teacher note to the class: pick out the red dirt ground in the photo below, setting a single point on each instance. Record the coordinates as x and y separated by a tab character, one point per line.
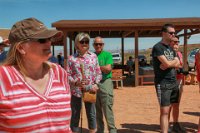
136	109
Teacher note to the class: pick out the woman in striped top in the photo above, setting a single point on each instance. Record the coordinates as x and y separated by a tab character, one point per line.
34	94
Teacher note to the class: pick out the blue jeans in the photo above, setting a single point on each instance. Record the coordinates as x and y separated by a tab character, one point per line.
76	104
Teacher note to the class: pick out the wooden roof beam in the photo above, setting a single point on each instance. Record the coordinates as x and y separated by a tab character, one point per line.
197	31
125	34
109	33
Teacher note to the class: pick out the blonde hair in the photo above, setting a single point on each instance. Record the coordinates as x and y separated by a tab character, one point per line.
79	37
14	58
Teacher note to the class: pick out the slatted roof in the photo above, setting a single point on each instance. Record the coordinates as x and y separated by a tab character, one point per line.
115	28
123	28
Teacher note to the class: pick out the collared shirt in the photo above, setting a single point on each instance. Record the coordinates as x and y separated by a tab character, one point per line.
86	67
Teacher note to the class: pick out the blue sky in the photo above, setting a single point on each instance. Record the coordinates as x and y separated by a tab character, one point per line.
49	11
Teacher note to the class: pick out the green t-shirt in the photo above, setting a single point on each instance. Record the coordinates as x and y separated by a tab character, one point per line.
104	59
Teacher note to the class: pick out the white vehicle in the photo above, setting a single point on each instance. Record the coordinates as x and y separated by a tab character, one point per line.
191	59
117	59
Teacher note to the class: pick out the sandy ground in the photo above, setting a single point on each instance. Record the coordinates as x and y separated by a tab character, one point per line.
136	109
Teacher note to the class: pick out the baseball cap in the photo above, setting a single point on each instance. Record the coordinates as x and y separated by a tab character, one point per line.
31	28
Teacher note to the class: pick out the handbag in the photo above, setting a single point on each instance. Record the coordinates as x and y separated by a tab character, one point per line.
89	97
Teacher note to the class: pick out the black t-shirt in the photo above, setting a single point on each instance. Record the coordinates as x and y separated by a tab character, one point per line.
168	75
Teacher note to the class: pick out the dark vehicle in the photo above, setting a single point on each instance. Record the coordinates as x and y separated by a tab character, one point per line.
142	60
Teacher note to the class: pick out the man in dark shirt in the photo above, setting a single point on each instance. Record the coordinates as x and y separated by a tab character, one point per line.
164	63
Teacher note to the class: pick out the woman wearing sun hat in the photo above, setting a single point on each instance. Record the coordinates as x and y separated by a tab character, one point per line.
34	93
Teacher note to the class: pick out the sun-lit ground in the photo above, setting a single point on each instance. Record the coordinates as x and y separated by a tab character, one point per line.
137	111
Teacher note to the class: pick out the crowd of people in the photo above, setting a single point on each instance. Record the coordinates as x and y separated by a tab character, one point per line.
39	94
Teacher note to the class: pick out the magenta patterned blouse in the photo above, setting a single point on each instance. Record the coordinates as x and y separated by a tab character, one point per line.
91	71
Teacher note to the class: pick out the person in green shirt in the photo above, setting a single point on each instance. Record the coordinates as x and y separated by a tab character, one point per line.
104	101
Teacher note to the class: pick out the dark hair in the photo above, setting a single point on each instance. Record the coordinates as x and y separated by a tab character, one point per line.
177	37
165	26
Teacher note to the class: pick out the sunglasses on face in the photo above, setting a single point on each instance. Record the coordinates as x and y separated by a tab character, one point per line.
84	42
171	33
96	44
42	41
176	41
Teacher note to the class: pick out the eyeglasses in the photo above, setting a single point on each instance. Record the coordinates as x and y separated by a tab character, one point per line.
172	33
96	44
84	42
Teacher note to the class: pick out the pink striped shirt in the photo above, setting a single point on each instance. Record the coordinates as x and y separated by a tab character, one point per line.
23	109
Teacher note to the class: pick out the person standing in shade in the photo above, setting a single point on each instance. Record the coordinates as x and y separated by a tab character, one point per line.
60	59
130	65
197	62
164	64
84	75
34	93
3	44
179	76
104	103
53	59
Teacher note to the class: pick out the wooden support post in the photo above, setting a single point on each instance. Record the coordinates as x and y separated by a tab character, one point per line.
65	48
122	45
185	65
136	59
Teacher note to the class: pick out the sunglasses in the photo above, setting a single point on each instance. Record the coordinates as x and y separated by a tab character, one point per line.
96	44
42	41
84	42
171	33
176	41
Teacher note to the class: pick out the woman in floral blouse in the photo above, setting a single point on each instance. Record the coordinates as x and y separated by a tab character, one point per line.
85	74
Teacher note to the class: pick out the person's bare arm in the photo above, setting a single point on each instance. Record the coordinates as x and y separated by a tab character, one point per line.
168	64
106	69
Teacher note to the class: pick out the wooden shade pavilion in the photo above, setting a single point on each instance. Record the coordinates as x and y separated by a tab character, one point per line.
126	28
